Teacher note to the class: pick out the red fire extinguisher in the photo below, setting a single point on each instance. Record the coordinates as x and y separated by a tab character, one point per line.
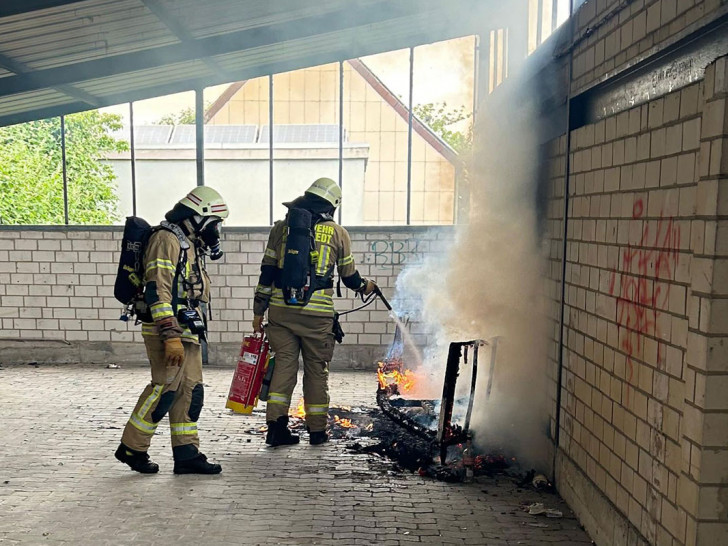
255	360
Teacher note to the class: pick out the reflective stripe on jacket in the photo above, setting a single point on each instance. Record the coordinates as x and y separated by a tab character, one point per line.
167	295
333	245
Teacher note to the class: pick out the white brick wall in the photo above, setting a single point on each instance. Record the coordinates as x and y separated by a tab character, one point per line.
56	283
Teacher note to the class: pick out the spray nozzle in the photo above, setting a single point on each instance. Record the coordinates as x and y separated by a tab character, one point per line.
379	294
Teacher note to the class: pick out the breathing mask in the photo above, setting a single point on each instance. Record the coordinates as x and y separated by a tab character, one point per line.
209	234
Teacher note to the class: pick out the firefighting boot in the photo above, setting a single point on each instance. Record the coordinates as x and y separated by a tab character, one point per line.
279	435
317	438
137	460
196	465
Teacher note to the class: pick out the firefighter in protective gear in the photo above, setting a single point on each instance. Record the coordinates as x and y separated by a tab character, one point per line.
305	329
175	284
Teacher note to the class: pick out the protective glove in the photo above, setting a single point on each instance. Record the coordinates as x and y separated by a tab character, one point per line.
174	351
367	287
258	324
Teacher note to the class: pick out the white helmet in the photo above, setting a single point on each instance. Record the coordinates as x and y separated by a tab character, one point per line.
326	189
206	202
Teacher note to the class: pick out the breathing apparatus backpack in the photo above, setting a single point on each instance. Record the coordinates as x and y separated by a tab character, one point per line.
129	283
299	280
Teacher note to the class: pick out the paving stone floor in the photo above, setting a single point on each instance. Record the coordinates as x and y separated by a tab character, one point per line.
60	484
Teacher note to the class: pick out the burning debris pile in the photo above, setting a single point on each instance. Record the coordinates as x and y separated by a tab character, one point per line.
426	435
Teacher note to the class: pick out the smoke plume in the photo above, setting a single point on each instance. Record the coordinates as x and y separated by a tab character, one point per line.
490	284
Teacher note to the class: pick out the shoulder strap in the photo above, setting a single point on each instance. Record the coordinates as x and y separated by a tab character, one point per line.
174	228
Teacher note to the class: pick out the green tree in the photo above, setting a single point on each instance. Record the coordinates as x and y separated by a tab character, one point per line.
438	117
31	170
186	116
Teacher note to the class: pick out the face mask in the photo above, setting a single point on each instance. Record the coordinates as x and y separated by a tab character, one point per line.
210	237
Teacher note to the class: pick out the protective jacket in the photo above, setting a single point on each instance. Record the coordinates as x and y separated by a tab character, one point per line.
333	246
175	279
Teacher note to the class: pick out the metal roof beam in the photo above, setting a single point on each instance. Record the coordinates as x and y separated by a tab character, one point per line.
342	19
342	52
182	34
16	7
19	68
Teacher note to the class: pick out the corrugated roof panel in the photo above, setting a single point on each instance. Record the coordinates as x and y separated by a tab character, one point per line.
41	17
92	29
113	85
232	15
304	47
33	100
80	49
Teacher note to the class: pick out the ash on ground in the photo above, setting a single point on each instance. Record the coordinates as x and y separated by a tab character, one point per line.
369	431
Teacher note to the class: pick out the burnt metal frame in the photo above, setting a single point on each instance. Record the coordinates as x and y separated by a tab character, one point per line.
446	434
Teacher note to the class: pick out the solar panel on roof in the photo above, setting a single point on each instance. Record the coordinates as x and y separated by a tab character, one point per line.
231	134
303	133
183	134
216	134
152	134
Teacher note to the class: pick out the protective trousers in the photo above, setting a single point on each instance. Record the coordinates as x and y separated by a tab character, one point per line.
292	333
174	390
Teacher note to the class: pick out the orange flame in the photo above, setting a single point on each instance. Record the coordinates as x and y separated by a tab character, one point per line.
300	411
405	381
345	423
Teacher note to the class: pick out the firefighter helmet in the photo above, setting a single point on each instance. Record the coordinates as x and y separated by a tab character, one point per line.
326	189
205	201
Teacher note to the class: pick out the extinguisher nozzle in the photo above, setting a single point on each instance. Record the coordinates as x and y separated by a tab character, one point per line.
381	297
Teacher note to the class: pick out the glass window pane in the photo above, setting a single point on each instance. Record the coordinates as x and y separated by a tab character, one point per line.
166	166
31	173
562	12
236	161
97	164
376	113
443	98
306	136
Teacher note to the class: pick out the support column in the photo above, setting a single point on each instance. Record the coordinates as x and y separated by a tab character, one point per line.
200	136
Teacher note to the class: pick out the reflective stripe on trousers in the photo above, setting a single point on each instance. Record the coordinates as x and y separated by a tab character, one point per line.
181	429
278	398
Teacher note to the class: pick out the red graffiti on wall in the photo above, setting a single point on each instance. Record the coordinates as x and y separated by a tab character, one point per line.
642	292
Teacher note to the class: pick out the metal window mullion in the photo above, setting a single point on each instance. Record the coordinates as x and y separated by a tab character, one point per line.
65	171
270	146
133	160
200	136
409	134
341	133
